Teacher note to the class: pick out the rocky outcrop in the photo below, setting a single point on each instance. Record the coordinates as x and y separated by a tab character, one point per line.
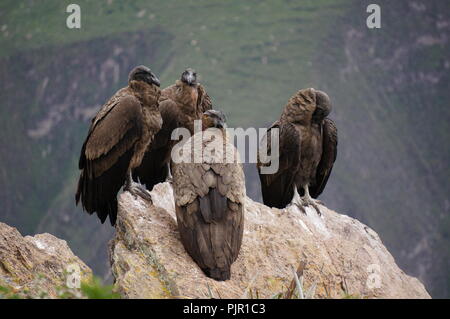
338	255
38	266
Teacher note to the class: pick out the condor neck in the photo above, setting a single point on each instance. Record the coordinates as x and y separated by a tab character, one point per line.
144	92
187	97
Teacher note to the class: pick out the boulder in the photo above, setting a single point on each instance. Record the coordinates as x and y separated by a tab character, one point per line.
334	255
38	267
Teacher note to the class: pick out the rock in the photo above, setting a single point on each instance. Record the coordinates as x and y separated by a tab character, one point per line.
37	266
341	256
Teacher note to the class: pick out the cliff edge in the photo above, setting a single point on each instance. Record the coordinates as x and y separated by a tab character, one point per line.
335	256
40	266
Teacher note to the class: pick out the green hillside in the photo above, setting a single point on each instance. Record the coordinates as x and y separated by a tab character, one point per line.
389	88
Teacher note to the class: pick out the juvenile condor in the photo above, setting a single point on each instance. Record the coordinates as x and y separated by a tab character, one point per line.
116	142
209	198
307	149
180	104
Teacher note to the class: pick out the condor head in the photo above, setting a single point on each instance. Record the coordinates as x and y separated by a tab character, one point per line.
189	76
323	106
144	74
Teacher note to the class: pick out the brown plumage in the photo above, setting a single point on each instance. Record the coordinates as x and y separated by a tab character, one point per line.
180	105
116	142
307	149
209	198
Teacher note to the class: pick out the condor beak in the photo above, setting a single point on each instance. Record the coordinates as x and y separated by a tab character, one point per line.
219	123
155	80
190	79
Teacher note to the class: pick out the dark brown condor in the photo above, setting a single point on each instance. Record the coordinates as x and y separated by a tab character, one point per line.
209	198
180	105
307	150
116	142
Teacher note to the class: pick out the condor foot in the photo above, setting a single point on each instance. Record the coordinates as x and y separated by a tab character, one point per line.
305	202
138	190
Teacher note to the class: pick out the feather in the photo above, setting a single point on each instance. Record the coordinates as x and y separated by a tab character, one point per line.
177	110
116	139
210	224
307	149
329	154
277	188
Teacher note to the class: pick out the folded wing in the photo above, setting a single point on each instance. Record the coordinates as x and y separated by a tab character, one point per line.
277	188
210	210
329	153
106	154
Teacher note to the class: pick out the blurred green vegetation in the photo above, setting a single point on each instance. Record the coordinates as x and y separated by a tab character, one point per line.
240	42
92	289
97	290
